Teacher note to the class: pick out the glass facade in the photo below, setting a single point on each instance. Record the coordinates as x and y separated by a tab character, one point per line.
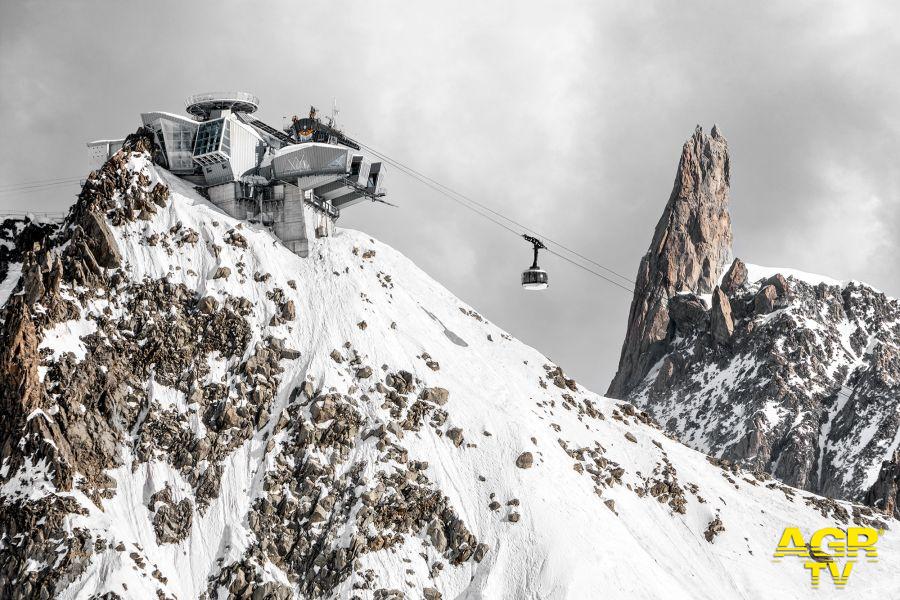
226	139
208	137
175	136
177	140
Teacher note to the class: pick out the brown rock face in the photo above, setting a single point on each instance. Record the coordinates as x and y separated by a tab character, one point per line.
690	248
525	460
735	277
20	387
101	241
721	323
764	302
885	492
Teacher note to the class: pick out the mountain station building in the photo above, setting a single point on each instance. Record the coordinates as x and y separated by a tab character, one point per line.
295	180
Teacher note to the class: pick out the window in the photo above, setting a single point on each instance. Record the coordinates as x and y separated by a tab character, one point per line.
226	139
208	137
182	138
161	140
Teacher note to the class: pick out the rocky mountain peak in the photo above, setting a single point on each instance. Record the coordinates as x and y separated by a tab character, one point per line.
777	370
691	246
191	410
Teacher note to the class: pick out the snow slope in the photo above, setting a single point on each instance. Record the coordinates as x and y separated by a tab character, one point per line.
568	542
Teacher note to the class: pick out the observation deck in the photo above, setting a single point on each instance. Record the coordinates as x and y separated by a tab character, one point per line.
203	105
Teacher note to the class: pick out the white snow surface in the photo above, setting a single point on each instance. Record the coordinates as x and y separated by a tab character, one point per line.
567	545
757	272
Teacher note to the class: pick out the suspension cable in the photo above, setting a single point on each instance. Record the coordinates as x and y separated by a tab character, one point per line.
489	214
424	178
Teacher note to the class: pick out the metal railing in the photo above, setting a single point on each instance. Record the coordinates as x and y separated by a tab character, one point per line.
217	96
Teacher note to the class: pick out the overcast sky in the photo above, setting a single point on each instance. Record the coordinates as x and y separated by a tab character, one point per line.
566	116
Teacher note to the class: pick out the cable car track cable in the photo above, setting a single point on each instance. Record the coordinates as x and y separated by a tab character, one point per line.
37	188
39	182
421	176
449	193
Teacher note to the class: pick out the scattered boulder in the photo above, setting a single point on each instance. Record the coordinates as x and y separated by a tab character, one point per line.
229	417
780	283
222	273
172	522
235	239
437	536
289	354
288	312
714	528
687	312
437	395
208	305
764	301
323	409
525	460
735	278
480	552
456	436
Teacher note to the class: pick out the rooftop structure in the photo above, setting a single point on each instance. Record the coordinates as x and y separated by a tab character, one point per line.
205	105
295	180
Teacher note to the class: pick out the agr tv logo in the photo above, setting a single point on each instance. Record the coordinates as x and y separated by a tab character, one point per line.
849	544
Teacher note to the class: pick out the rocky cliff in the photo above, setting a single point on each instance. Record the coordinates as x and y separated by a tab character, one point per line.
690	248
192	411
780	371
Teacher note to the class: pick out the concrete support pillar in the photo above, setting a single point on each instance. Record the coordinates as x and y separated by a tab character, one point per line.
291	228
225	197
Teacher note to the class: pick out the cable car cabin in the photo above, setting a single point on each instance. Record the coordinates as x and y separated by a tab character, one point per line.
535	278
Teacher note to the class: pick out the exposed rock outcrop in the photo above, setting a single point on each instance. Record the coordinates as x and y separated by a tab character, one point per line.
779	374
885	492
721	321
166	435
787	376
735	277
690	248
18	237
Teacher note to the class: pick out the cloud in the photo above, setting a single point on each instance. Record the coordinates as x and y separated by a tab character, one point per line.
567	117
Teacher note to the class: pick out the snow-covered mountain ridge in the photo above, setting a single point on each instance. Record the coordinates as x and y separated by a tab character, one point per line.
794	374
803	382
194	411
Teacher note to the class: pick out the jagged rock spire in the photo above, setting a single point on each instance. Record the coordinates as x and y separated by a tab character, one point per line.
690	247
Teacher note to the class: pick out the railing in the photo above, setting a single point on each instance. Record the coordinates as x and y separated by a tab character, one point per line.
214	96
